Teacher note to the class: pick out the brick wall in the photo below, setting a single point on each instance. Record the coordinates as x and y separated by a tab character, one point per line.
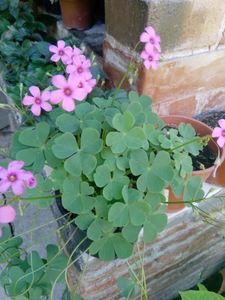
191	78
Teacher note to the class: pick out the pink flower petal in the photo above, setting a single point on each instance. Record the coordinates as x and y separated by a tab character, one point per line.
3	173
68	104
61	44
144	55
55	57
7	214
150	30
46	106
53	48
217	131
36	110
221	141
45	95
18	187
28	100
59	81
29	178
65	58
4	185
56	96
149	48
80	94
222	123
15	165
144	38
72	80
147	64
35	91
70	68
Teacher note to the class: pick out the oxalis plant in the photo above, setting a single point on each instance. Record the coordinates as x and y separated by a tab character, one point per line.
108	156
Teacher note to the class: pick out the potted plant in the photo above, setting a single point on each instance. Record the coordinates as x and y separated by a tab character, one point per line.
204	164
110	156
76	14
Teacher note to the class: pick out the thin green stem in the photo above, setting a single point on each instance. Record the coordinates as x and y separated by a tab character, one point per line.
69	264
36	228
197	138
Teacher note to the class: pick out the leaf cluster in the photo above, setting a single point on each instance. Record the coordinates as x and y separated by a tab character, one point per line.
111	161
28	276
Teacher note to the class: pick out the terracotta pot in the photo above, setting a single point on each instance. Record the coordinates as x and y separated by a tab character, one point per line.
202	130
76	13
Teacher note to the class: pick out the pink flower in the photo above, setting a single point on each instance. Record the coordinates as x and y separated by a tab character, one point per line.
61	51
80	67
83	86
7	214
220	133
16	178
37	101
150	57
73	88
72	54
150	37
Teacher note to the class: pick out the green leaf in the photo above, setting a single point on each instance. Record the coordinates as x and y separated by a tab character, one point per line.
193	189
130	232
65	145
154	224
80	162
123	122
84	220
28	155
116	141
67	123
77	196
110	246
90	141
119	214
200	295
35	137
102	175
138	161
127	286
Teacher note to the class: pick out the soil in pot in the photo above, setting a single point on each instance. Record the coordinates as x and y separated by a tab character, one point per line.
211	119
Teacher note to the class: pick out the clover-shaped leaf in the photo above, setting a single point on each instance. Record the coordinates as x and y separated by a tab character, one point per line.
65	145
82	159
183	163
67	123
128	136
88	116
35	141
77	195
157	174
112	182
110	246
153	225
98	227
35	136
132	211
130	232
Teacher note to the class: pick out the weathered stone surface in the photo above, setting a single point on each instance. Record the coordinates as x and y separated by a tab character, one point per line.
180	77
188	251
182	25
